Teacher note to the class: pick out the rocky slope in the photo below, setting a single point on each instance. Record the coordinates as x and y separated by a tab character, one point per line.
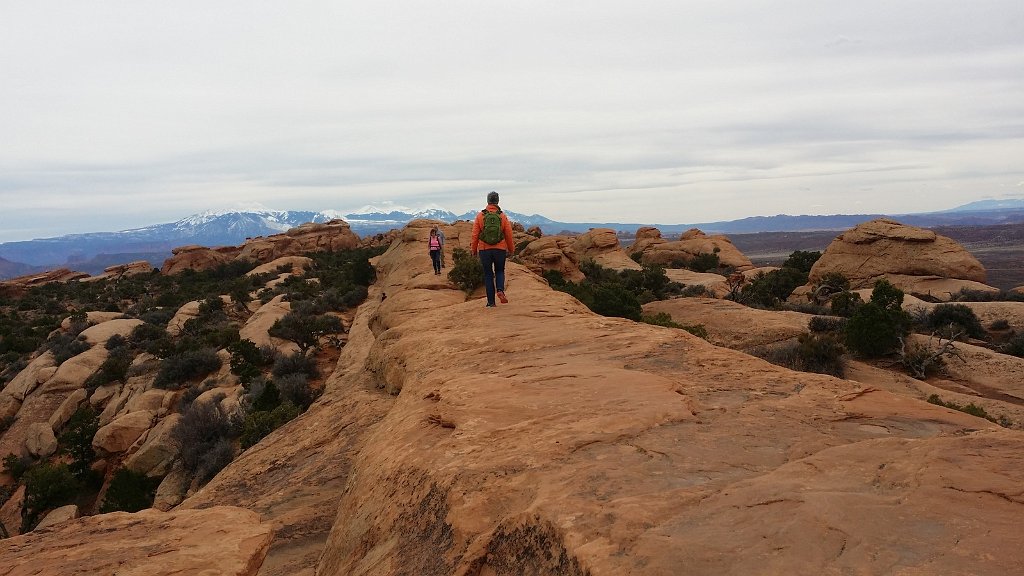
540	438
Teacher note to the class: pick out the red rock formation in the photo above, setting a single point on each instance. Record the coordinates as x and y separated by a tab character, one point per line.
602	246
656	250
197	258
907	256
333	235
15	287
553	253
123	270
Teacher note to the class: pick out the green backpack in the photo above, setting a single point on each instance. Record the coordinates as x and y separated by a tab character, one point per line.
492	233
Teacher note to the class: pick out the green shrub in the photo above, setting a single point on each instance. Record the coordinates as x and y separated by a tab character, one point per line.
259	424
554	278
113	369
967	295
76	441
819	324
617	301
305	330
246	360
47	486
696	291
295	364
817	353
999	325
129	491
115	341
65	346
802	260
970	408
467	273
1015	347
697	330
876	328
952	318
295	388
176	370
199	436
769	290
661	319
16	466
846	303
704	262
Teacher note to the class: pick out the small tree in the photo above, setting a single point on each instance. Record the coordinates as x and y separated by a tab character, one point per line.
877	328
305	330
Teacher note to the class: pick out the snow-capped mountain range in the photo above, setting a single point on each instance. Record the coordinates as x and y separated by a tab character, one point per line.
95	251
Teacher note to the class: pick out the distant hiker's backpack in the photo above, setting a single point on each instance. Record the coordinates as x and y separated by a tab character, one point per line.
491	232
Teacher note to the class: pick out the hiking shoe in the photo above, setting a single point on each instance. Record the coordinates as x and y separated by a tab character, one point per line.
491	305
501	296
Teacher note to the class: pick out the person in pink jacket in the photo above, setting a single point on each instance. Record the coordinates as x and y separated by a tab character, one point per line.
493	242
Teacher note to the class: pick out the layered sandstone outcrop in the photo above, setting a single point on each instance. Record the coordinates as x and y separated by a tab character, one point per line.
15	287
602	246
654	249
123	271
916	260
197	258
553	253
215	541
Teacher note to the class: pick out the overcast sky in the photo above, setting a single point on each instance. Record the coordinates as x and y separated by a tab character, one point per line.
121	114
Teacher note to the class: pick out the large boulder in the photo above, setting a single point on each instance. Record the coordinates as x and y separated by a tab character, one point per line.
72	374
197	258
156	455
68	408
122	432
100	333
40	441
39	370
602	246
257	326
123	271
653	249
59	516
553	253
905	255
9	406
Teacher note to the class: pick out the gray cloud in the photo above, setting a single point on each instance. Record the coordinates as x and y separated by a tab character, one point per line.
119	115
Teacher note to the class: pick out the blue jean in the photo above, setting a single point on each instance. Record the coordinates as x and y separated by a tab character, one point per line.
493	261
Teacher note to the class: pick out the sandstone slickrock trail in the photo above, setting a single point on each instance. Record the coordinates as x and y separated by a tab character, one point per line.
539	438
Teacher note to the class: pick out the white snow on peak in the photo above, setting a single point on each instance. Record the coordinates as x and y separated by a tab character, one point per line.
382	208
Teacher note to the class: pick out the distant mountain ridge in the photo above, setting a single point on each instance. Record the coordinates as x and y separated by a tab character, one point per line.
92	252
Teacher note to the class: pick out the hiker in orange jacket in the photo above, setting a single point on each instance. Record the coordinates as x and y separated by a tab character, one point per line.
494	253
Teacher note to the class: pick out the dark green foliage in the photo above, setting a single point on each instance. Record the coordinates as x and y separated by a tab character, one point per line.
200	435
697	330
615	300
16	466
1015	347
295	388
246	360
970	408
817	353
769	290
47	486
65	346
115	341
261	423
965	295
704	262
129	491
268	398
835	281
696	291
949	319
846	303
76	441
5	423
802	260
294	364
467	273
522	245
157	316
613	293
177	370
305	330
820	324
661	319
876	328
1001	324
152	339
113	369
